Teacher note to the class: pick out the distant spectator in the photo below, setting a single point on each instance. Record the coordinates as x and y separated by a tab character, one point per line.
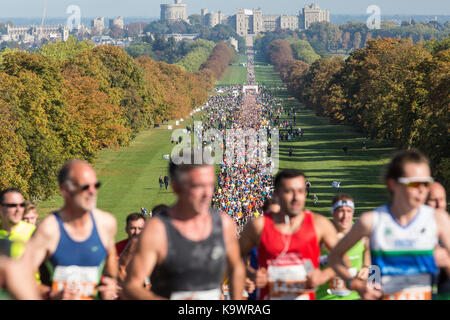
345	148
308	186
160	182
166	181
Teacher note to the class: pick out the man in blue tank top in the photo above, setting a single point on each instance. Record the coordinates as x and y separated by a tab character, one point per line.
187	247
403	235
76	243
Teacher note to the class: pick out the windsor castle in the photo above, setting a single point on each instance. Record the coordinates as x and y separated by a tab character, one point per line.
249	21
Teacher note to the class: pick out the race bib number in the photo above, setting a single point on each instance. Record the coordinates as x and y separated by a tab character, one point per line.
337	285
287	277
213	294
226	292
82	280
416	287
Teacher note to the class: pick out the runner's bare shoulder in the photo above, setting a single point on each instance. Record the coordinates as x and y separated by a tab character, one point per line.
365	221
154	229
48	228
105	219
442	220
256	225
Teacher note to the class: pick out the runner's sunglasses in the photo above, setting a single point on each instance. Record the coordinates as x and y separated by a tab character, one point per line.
415	182
85	187
13	205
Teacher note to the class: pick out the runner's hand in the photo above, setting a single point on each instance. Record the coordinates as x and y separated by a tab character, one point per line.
108	288
262	278
249	285
66	294
316	278
367	292
363	274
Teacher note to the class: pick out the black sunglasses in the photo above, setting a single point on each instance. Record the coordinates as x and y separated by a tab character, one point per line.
13	205
86	186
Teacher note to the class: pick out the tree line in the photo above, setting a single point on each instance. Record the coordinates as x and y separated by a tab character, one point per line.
326	38
391	90
72	99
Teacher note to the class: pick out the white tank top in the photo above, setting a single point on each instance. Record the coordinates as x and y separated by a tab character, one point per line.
404	254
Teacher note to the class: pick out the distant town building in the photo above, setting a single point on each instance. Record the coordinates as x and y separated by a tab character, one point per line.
98	24
29	34
116	22
174	12
101	40
180	37
253	21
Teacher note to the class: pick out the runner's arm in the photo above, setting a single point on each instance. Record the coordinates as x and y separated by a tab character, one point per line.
42	243
236	267
111	265
360	229
327	235
126	256
144	261
367	260
443	225
364	272
250	236
19	279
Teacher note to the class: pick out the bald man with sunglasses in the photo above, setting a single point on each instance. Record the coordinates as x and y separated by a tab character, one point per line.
76	243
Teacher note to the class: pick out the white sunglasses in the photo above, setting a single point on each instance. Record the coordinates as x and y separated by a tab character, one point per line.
415	182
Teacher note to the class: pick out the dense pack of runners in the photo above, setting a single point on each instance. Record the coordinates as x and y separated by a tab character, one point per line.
240	233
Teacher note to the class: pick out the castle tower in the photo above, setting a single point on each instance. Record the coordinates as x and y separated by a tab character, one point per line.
174	12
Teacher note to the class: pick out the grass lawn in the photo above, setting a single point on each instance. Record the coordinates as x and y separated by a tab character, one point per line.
320	156
266	75
235	73
130	175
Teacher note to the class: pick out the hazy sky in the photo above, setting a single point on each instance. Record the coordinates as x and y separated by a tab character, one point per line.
150	8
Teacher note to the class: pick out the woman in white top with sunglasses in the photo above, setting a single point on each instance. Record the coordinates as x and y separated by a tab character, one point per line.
402	235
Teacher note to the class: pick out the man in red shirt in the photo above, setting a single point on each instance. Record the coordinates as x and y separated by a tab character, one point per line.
135	224
289	243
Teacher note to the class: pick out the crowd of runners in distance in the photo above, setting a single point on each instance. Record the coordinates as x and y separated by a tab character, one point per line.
243	234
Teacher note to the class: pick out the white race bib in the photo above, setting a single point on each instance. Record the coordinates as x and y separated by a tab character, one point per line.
81	279
287	277
414	287
213	294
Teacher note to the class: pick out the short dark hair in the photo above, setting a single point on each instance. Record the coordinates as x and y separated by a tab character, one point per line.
395	169
341	196
134	216
8	190
159	208
175	170
287	174
268	203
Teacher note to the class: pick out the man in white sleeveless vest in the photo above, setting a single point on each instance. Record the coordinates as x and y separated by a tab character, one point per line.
403	235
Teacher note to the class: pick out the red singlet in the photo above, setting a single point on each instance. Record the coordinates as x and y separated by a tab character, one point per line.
303	242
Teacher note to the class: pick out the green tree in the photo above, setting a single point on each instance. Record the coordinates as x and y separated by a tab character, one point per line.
303	51
195	19
65	50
